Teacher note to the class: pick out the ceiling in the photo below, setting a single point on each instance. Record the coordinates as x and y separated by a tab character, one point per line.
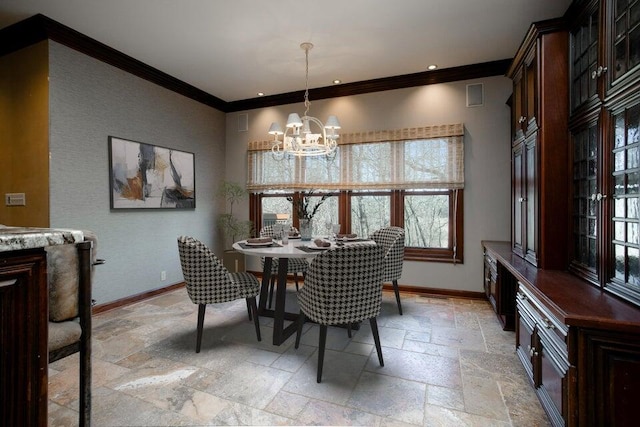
235	49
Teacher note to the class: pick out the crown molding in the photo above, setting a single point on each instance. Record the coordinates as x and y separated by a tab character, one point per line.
39	27
445	75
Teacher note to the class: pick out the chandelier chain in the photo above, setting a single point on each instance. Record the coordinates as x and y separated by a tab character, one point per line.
307	103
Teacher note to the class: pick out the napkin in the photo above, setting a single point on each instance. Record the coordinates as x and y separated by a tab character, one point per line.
347	236
260	240
293	234
322	243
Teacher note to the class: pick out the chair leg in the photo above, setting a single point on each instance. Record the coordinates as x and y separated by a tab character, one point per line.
201	308
251	302
376	338
323	341
271	286
349	329
397	291
249	310
295	279
301	320
85	384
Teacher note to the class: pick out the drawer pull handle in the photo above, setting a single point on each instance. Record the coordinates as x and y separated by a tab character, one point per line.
548	324
7	283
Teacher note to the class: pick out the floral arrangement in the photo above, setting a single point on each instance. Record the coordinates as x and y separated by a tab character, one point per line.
302	204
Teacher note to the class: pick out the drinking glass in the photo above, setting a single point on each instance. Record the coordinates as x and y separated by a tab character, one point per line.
286	228
336	230
277	231
329	226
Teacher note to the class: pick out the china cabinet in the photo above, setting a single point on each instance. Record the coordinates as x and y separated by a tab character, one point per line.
539	152
604	132
574	264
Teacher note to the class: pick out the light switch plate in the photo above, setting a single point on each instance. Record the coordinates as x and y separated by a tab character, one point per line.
15	199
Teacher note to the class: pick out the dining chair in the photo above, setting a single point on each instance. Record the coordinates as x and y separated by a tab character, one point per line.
69	277
294	266
392	240
209	282
342	286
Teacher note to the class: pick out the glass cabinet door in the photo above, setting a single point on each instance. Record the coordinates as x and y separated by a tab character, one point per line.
625	38
624	277
584	57
585	202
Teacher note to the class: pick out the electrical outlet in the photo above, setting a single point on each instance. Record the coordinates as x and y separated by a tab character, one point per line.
163	275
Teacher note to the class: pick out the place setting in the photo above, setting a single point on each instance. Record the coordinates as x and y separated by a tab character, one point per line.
260	242
315	246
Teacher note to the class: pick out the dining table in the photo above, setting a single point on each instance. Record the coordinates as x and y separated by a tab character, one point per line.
294	248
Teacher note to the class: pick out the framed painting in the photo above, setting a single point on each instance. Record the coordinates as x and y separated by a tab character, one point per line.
146	176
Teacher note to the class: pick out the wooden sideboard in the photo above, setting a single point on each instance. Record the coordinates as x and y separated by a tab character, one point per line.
580	345
23	337
24	321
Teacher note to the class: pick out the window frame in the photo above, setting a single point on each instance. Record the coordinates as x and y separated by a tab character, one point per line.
452	254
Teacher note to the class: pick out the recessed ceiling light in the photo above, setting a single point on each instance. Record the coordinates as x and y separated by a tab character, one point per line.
260	93
432	67
337	82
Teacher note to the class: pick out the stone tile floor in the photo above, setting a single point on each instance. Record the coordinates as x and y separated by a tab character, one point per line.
447	363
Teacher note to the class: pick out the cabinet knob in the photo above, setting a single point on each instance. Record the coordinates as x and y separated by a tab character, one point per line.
548	324
601	196
523	199
602	70
522	119
598	72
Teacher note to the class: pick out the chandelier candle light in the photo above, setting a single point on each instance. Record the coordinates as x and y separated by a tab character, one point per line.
298	139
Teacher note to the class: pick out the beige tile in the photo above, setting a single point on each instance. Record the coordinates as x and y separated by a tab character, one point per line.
389	397
463	338
318	412
340	375
437	416
287	404
250	384
425	368
483	397
445	397
447	362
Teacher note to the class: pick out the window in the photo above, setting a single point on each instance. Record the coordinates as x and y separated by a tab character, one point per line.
412	178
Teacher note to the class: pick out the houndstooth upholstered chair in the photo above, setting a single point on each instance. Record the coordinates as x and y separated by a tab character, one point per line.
209	282
392	240
342	286
294	266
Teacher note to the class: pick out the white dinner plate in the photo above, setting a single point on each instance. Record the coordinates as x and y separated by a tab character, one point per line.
259	244
348	238
316	247
294	237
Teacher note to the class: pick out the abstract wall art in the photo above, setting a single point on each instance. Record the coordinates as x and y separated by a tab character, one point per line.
145	176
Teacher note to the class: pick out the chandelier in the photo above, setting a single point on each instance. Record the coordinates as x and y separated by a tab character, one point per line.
298	138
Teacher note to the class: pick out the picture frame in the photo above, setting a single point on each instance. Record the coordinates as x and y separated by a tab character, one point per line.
147	176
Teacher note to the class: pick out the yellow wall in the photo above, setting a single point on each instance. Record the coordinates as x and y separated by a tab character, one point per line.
24	135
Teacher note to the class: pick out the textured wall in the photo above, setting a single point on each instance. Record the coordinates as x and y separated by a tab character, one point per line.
487	159
24	135
89	101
